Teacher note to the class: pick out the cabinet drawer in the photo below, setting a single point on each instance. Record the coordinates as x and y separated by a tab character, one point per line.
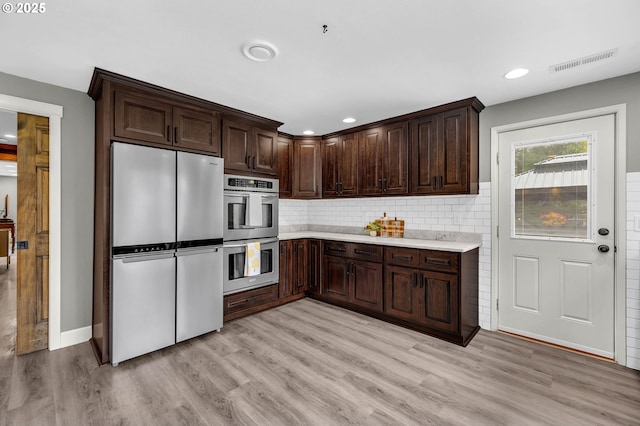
335	248
438	260
249	299
402	256
366	252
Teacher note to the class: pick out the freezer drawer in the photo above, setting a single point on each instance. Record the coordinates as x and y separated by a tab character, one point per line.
199	307
143	302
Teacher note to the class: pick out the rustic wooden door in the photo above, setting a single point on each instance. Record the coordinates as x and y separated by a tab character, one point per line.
33	234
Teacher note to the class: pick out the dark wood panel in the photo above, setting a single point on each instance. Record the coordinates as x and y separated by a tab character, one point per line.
455	147
424	154
370	162
396	159
300	266
143	117
315	266
265	157
440	301
307	168
285	274
285	166
436	260
236	150
402	256
348	164
330	175
368	252
335	279
400	297
249	299
197	129
336	248
366	284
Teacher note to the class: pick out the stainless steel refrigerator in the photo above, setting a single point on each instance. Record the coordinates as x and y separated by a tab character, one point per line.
166	256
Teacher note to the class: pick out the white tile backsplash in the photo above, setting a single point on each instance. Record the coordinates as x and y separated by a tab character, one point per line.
633	272
466	214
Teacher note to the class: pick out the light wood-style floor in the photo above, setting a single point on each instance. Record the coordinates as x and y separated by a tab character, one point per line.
312	363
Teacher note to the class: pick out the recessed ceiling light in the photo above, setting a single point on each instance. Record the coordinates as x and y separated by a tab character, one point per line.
516	73
260	50
349	120
308	132
10	136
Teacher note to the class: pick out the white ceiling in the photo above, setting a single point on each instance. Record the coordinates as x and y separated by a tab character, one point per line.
378	58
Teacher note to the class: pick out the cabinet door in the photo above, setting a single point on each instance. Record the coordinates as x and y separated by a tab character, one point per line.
370	165
439	301
300	271
454	159
264	156
366	284
330	178
142	117
315	260
196	129
335	278
307	163
424	155
286	288
348	164
400	297
285	166
236	150
395	157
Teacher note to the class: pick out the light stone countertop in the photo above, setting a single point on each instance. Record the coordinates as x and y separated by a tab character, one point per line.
453	246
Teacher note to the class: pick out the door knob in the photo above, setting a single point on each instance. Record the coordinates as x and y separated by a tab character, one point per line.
603	231
603	248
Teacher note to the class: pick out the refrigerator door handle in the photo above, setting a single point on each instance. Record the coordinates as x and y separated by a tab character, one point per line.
144	258
192	251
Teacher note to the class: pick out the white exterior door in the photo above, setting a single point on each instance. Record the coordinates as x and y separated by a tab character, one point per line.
556	223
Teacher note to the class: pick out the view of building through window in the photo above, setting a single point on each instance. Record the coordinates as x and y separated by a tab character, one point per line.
551	189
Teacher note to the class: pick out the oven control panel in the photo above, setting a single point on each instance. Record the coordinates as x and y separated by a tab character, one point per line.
246	183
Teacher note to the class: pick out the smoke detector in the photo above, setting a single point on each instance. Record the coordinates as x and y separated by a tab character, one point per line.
260	51
596	57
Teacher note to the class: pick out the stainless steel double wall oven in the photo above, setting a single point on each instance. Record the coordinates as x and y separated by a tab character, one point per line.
250	215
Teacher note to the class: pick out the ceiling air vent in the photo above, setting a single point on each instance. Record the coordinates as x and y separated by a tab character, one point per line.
597	57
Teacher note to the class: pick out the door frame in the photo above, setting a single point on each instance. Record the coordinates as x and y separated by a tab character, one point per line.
54	113
620	236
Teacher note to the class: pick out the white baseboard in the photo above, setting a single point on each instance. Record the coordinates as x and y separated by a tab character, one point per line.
74	337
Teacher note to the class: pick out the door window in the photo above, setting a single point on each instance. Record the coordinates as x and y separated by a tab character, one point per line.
551	188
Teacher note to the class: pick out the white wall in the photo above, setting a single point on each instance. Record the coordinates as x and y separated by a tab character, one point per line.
633	271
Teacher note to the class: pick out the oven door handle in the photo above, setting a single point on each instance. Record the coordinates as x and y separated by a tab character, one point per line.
244	245
246	194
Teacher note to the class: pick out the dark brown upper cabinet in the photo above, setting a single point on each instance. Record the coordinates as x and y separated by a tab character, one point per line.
307	164
383	160
444	153
151	118
340	166
248	148
285	165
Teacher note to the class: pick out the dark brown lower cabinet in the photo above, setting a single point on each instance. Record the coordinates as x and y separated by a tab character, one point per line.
366	284
336	278
428	298
315	266
294	272
432	291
